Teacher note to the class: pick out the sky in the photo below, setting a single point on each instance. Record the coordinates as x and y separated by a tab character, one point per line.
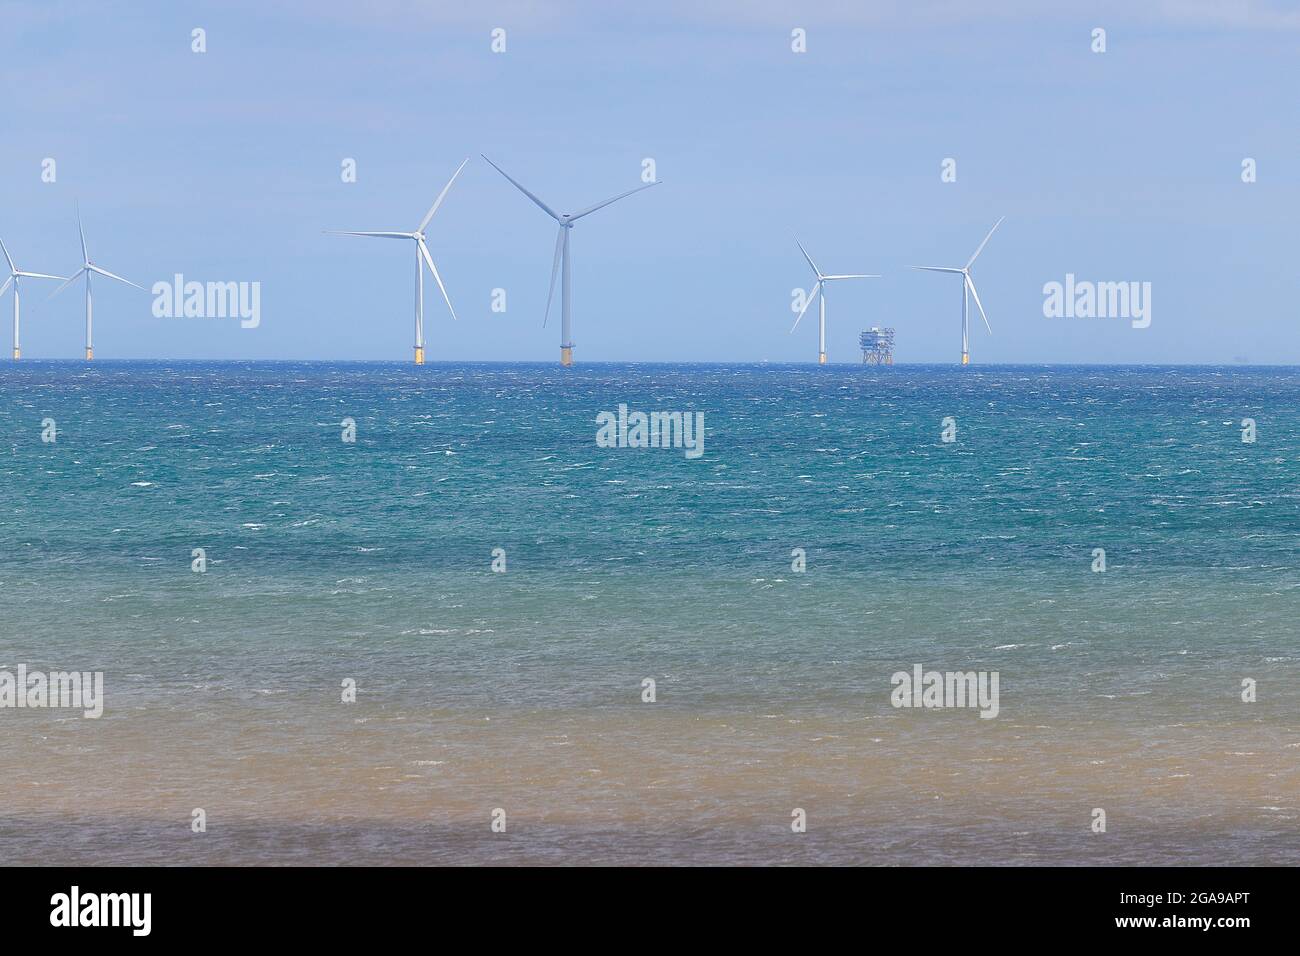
226	166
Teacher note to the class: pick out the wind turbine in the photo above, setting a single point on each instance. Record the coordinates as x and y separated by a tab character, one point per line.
88	267
819	290
968	287
422	258
14	275
566	221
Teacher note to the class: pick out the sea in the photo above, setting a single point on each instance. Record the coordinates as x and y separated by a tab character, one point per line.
362	613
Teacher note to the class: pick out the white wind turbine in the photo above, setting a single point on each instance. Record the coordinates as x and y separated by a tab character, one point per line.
819	289
14	275
566	221
422	258
88	267
968	288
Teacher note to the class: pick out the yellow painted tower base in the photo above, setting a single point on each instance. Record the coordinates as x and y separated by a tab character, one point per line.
821	358
965	358
90	355
566	355
17	354
419	355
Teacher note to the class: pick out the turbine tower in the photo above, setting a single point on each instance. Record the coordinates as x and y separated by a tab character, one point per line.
422	258
968	292
88	267
14	275
566	221
819	290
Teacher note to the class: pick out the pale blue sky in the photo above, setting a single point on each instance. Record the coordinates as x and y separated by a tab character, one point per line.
225	166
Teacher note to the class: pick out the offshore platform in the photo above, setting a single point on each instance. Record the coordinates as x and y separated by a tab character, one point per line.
877	346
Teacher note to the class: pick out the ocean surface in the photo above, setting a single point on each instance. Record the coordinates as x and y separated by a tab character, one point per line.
479	691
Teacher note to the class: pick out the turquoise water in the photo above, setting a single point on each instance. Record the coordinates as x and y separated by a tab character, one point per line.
371	561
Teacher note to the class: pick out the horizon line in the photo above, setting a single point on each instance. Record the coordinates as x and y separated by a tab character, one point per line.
546	362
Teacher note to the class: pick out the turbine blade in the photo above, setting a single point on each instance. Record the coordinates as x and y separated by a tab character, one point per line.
555	268
38	275
438	202
71	279
5	288
970	283
807	302
545	208
817	271
428	260
377	235
852	277
8	259
984	243
601	205
85	256
110	275
937	269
